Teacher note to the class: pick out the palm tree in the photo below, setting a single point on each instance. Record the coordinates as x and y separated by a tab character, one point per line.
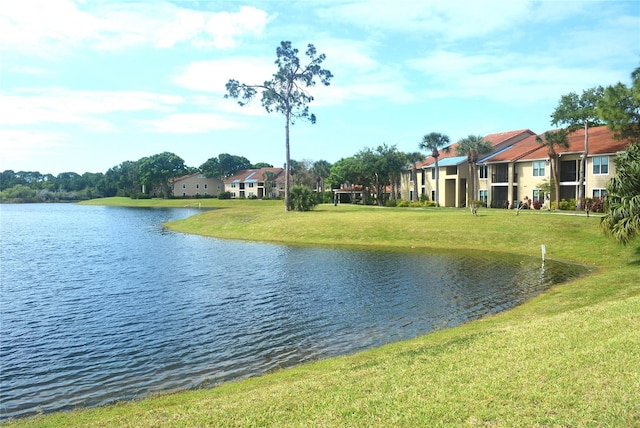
269	178
553	139
472	147
434	142
321	170
413	158
622	205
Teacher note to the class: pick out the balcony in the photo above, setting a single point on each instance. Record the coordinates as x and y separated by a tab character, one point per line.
500	177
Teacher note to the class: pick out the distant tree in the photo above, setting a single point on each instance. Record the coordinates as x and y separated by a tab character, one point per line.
620	108
472	147
269	178
350	172
286	92
158	169
211	168
70	182
321	170
579	111
8	179
224	165
622	204
388	171
553	139
413	159
260	165
433	142
231	164
300	173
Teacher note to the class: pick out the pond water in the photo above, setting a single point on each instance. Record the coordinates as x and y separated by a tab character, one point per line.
101	304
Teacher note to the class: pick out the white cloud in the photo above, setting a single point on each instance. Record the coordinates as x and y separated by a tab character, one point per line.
40	26
19	146
191	123
212	76
444	18
57	105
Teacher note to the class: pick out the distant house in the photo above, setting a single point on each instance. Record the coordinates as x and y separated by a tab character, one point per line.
195	185
256	183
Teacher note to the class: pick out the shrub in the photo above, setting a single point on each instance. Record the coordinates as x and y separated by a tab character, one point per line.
424	198
499	204
301	199
391	203
415	204
429	203
594	204
224	195
402	204
569	205
537	204
140	196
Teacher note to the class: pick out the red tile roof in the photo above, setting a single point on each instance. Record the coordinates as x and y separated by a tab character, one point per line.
600	142
253	174
497	140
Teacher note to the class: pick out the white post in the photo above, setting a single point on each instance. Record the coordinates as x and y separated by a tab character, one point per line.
544	250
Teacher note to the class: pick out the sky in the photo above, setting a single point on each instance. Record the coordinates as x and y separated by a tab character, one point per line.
86	85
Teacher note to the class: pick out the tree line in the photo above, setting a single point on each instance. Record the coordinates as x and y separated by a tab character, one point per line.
148	176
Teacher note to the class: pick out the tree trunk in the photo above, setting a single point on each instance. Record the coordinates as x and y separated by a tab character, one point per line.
556	183
583	167
287	184
470	184
437	183
415	183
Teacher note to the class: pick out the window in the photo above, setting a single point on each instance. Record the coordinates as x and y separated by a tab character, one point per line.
233	185
601	165
484	172
206	186
197	185
484	196
538	168
538	195
599	193
250	184
433	174
184	185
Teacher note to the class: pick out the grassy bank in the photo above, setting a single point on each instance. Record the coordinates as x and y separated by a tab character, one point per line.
566	358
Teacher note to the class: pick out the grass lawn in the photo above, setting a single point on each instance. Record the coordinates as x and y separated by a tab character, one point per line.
570	357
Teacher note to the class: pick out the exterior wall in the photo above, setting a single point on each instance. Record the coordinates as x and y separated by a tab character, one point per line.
196	185
598	180
528	184
254	188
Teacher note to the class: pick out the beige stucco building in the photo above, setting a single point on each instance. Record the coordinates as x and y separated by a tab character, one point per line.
517	167
256	183
197	184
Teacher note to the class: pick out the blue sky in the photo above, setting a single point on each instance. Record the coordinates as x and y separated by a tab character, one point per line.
86	85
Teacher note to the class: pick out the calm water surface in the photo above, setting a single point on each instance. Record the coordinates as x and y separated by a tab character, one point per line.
100	304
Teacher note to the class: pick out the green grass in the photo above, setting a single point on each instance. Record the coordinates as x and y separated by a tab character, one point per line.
570	357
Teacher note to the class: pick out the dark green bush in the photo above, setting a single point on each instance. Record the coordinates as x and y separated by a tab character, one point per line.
301	199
